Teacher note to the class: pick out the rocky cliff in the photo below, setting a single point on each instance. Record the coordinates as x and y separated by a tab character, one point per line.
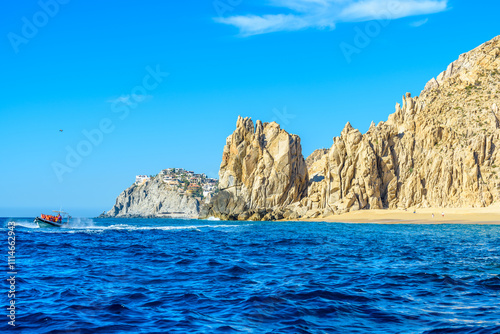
262	171
154	198
437	150
315	157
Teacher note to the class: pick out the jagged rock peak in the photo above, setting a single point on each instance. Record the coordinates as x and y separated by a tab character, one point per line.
315	156
262	168
245	123
436	150
347	128
465	69
439	149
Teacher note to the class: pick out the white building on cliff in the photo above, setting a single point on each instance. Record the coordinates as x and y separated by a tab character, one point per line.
141	179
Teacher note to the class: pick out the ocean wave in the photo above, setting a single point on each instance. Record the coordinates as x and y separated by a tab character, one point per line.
89	226
81	223
141	228
22	223
158	276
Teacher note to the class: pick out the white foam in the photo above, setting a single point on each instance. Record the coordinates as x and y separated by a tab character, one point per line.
87	225
24	223
81	223
164	228
133	227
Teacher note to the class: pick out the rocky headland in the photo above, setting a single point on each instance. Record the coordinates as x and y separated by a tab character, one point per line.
173	193
439	149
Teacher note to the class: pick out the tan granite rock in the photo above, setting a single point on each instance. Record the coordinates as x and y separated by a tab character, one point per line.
262	168
438	149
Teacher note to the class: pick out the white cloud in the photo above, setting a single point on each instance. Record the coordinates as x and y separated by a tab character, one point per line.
420	23
321	14
383	9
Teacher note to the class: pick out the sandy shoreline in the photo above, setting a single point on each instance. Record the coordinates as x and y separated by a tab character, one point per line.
490	215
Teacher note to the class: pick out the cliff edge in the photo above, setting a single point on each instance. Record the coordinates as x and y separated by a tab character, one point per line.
436	150
153	199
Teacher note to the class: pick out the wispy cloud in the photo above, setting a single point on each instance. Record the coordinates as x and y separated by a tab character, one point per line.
420	23
325	14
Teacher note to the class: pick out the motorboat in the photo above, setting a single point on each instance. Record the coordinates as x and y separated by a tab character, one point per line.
61	219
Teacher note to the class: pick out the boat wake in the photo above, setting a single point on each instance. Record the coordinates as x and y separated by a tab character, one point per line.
80	223
23	223
132	228
75	223
162	228
137	228
88	225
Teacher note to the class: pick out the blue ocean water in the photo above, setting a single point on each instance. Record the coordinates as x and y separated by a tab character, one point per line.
181	276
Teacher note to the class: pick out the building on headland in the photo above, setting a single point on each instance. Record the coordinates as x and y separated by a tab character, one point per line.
208	190
208	187
185	182
173	183
193	189
141	179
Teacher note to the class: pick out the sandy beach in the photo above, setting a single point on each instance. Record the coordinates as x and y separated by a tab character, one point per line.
489	215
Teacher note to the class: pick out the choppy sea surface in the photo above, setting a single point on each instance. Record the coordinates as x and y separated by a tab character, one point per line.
182	276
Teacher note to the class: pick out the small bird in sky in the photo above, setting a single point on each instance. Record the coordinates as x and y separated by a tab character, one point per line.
60	130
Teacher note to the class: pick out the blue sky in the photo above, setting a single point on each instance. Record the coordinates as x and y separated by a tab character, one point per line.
95	68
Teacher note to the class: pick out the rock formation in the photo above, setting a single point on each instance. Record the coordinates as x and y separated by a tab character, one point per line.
153	199
436	150
315	157
439	149
262	171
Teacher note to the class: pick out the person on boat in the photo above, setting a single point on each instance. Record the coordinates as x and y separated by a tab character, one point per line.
59	218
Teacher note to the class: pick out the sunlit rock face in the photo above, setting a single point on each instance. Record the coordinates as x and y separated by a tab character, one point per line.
262	171
438	149
154	199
